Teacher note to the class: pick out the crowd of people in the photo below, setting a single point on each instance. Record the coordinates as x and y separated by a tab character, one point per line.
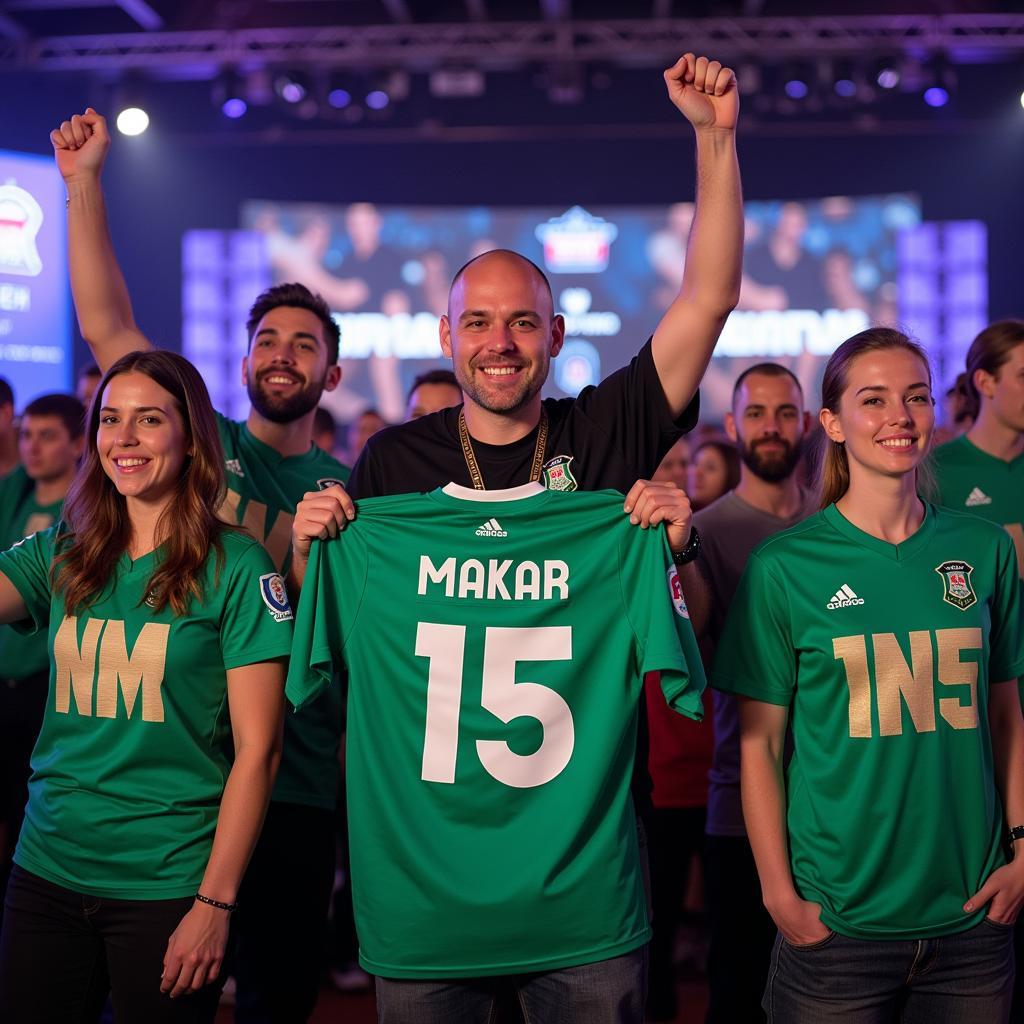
493	635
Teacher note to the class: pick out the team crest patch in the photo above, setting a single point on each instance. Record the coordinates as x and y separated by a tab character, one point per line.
557	474
675	588
328	481
956	584
275	596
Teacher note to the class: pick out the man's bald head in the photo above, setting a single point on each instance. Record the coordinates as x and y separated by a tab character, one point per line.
493	259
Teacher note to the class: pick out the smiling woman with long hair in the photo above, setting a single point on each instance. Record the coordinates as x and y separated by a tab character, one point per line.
886	633
151	775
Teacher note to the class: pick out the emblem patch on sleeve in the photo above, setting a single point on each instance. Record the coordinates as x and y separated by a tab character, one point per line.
557	475
328	481
275	596
956	584
675	589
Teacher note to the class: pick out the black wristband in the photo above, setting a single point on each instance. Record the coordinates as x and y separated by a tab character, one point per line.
229	907
690	552
1015	833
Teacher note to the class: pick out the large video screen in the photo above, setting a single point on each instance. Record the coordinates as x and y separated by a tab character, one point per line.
35	325
815	272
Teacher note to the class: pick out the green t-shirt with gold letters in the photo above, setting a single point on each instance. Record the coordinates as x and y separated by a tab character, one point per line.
135	748
884	655
263	489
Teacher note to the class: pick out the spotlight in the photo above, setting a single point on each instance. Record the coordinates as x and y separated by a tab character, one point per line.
1022	99
377	99
229	95
291	86
887	74
844	83
796	81
939	81
132	121
339	98
234	107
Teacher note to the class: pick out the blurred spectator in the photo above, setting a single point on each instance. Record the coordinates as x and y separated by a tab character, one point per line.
324	430
674	466
431	392
31	499
360	430
715	469
8	433
781	273
89	377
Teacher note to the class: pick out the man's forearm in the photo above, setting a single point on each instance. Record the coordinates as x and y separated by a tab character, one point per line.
714	252
698	600
98	287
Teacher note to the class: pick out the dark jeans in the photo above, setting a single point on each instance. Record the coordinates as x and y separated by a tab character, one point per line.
607	992
741	932
281	919
61	952
676	834
966	978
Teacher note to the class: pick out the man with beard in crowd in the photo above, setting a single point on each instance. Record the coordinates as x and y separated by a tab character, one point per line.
271	462
768	423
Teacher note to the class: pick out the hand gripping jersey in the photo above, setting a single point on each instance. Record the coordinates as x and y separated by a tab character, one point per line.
263	489
971	480
496	644
884	655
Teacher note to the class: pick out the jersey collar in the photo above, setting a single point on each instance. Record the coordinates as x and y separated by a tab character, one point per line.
529	490
896	552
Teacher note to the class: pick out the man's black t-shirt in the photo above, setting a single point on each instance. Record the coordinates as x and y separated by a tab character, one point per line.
610	436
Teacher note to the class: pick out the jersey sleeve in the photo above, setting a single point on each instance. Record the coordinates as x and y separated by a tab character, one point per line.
755	656
630	407
27	566
1006	639
654	603
332	594
363	479
256	624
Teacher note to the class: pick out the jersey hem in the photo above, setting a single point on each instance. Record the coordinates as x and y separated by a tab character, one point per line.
254	657
554	963
842	927
175	892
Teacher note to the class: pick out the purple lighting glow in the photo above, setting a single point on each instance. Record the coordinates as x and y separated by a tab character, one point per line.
936	96
339	98
377	100
796	89
235	107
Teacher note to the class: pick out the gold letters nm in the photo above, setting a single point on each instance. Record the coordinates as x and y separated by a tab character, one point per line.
101	665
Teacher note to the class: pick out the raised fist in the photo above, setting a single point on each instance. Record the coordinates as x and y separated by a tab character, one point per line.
80	145
704	91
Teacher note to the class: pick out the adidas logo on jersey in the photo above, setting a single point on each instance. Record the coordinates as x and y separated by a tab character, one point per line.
844	597
977	497
233	466
492	528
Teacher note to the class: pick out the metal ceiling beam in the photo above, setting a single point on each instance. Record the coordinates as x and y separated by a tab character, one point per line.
143	13
637	42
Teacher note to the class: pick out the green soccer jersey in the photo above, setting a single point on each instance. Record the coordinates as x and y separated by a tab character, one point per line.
263	489
496	644
130	764
971	480
22	656
884	655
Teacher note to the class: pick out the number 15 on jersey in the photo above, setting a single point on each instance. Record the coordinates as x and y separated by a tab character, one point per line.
445	646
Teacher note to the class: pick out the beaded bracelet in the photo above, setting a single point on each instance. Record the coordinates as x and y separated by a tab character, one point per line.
229	907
